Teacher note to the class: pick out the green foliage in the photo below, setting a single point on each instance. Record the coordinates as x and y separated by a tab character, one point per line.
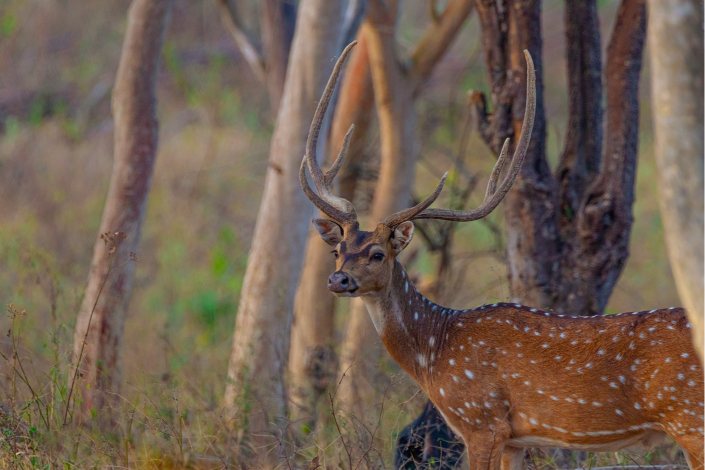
8	24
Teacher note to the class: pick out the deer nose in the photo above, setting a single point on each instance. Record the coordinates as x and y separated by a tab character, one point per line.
340	282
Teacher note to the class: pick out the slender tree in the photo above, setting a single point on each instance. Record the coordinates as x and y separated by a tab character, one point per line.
99	329
255	393
676	53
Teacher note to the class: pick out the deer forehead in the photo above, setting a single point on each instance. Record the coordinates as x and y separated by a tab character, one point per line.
361	242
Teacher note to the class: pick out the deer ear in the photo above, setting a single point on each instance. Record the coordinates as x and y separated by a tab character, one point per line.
331	232
401	236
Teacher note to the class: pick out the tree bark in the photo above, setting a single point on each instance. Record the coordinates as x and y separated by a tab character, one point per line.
278	20
99	329
312	365
567	234
255	393
593	262
676	53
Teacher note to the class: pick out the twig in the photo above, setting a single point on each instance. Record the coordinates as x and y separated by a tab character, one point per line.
21	372
340	432
247	46
110	252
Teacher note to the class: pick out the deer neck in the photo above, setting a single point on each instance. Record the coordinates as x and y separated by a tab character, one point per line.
411	327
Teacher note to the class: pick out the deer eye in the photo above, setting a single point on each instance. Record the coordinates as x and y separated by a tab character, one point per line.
335	254
377	256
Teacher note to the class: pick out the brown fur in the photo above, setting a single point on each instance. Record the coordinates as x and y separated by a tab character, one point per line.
507	376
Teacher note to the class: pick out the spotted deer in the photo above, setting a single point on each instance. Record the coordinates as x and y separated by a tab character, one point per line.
507	376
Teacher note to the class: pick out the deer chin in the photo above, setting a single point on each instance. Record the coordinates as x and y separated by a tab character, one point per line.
348	293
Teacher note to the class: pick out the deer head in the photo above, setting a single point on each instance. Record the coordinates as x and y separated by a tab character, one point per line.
365	259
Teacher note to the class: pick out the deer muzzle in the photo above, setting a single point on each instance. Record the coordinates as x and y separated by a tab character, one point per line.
341	283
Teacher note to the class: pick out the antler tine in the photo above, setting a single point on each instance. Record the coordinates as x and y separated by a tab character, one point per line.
497	170
333	171
494	196
328	209
407	214
335	207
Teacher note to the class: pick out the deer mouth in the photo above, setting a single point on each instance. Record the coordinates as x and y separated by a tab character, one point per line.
347	293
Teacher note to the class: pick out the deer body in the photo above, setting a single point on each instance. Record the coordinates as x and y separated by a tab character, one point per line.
507	376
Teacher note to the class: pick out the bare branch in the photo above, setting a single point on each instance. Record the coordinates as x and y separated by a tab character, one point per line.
624	55
580	160
478	106
249	48
437	38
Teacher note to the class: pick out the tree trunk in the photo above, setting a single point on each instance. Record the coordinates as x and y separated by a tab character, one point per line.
99	329
277	24
312	365
567	233
255	393
676	45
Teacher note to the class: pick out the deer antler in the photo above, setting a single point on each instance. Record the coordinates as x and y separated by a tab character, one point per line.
397	218
493	194
335	207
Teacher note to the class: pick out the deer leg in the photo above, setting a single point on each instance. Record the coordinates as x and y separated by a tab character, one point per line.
512	458
485	450
692	446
